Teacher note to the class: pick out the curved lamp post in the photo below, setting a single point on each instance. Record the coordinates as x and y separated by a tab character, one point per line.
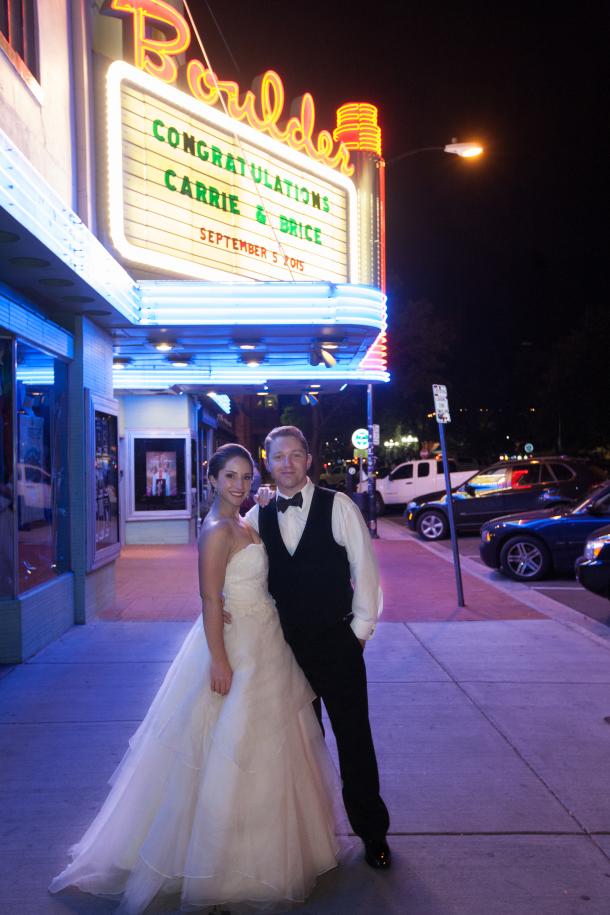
469	150
464	150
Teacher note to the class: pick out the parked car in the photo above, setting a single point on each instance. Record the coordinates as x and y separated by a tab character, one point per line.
412	479
333	475
593	567
529	546
502	489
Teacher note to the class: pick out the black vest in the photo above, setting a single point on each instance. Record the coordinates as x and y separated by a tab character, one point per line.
312	588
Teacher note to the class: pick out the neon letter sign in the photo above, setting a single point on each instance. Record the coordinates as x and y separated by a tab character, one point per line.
156	56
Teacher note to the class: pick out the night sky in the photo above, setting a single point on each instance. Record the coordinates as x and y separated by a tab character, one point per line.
507	247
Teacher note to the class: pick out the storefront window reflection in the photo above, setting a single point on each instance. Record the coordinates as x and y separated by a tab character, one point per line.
7	488
106	481
41	396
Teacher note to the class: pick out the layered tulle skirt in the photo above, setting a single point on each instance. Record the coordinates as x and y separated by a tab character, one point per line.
218	799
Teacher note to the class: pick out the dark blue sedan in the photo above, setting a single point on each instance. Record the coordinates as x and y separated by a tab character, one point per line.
593	567
529	546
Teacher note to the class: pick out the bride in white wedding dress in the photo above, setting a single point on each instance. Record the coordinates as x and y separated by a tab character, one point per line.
226	792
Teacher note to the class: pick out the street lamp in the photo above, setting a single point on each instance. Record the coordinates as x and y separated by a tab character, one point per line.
468	150
464	150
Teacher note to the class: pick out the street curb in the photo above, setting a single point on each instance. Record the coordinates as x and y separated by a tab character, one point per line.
568	617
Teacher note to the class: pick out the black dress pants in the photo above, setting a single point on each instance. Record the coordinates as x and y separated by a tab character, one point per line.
333	663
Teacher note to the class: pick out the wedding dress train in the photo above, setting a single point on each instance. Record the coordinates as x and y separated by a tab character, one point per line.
219	799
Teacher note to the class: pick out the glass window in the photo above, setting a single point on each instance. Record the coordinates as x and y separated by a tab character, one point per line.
18	27
524	477
562	471
106	471
451	464
423	470
41	396
603	505
497	478
7	483
402	473
545	474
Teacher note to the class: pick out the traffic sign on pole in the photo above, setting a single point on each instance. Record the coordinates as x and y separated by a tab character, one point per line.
360	439
441	405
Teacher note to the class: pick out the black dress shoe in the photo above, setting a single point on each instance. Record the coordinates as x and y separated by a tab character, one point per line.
377	853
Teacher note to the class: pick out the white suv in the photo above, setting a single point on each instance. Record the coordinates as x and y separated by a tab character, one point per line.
415	478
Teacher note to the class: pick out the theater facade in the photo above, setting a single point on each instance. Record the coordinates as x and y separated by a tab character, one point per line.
176	252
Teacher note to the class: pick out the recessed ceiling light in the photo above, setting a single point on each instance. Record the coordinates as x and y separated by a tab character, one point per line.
247	345
55	282
82	300
120	362
314	385
8	238
164	346
29	262
179	362
253	362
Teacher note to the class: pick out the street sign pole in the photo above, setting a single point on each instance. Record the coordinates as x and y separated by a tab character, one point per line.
371	465
441	405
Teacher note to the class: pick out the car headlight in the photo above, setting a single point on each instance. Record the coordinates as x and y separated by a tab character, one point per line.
594	547
486	536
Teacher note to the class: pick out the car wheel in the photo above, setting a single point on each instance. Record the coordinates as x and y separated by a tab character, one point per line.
525	559
432	525
379	504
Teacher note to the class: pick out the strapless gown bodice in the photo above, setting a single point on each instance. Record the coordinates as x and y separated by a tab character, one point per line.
220	799
245	587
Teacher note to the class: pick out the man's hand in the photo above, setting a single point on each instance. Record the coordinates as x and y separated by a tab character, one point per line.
263	496
221	677
226	617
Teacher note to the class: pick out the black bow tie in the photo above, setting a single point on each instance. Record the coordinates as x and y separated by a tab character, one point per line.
283	504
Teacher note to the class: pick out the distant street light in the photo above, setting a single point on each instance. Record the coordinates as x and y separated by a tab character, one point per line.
464	150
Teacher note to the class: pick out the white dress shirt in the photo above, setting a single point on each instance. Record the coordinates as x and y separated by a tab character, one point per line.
349	531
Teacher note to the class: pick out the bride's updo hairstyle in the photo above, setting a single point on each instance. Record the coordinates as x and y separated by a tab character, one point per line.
224	454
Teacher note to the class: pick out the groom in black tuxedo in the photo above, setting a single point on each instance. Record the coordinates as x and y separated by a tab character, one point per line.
324	579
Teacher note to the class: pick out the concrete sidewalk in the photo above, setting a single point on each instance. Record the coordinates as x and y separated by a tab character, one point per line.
492	729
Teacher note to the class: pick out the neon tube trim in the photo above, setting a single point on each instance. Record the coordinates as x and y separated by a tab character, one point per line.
163	378
357	127
170	303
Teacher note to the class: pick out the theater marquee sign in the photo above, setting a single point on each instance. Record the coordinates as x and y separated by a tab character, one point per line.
197	193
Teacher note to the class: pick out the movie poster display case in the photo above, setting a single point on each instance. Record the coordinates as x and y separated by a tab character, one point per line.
158	474
103	535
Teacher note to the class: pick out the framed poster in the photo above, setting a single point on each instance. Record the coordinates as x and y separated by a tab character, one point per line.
159	474
102	474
